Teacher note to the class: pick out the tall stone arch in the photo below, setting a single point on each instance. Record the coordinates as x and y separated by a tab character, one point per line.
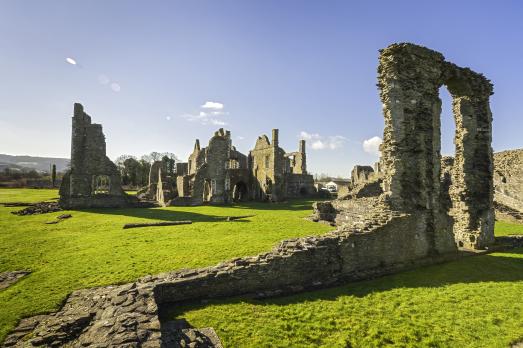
409	80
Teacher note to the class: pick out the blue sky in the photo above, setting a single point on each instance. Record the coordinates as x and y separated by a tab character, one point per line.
145	69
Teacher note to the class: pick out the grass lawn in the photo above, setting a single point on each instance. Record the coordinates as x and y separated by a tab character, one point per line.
91	248
472	302
504	228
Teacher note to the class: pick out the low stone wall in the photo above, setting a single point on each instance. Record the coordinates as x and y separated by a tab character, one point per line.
310	262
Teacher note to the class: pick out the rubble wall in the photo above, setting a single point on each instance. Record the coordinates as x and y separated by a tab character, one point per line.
508	178
394	243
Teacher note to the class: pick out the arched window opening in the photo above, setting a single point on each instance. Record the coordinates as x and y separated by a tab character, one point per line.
101	184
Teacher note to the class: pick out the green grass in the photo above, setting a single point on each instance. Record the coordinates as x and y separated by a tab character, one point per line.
474	302
91	248
504	228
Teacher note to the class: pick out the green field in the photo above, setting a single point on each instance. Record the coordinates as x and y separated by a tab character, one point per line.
472	302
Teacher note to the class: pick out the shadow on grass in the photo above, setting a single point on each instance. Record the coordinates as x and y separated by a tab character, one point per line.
163	214
179	214
477	269
291	205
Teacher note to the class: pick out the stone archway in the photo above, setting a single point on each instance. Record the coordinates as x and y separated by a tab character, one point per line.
239	192
207	191
409	79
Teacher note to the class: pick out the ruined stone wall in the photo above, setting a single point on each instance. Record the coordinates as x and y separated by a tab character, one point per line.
508	178
360	174
298	160
196	158
382	246
217	154
299	185
93	180
409	79
278	175
267	162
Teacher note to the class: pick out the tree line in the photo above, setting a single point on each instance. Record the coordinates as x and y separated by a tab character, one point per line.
135	171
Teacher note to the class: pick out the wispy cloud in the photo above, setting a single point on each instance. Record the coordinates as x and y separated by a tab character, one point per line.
212	105
372	145
210	114
321	142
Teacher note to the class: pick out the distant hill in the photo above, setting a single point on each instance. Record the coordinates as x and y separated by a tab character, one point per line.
30	162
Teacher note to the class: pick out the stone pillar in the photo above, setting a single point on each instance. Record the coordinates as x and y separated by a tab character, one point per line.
472	186
301	149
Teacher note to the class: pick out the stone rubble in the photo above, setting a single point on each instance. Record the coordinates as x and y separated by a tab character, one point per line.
9	278
39	208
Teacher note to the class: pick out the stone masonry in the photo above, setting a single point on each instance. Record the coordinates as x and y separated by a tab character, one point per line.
219	173
409	79
93	180
508	179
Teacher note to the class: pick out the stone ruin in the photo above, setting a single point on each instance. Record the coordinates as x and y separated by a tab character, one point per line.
159	188
93	180
409	80
508	182
395	221
361	174
219	173
216	174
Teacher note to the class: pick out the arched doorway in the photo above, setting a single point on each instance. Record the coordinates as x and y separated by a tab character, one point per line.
239	192
207	193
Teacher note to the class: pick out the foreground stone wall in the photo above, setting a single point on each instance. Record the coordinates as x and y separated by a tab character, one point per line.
93	180
311	262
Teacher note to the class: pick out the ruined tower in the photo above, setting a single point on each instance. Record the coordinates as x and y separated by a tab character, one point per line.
93	180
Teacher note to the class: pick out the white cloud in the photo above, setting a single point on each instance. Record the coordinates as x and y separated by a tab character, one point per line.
239	137
318	145
372	145
168	118
320	142
210	114
70	61
212	105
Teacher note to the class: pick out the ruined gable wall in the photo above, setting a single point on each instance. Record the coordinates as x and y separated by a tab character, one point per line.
88	162
263	152
216	156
